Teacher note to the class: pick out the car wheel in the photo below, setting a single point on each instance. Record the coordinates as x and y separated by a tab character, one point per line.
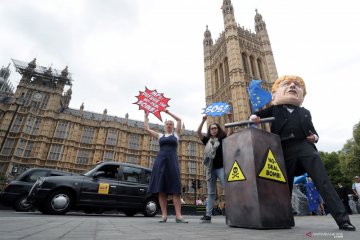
130	213
151	207
59	202
21	205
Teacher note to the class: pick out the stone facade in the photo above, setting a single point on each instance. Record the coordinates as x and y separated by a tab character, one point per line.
236	57
43	131
38	129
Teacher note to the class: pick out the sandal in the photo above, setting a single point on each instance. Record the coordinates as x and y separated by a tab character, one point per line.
163	220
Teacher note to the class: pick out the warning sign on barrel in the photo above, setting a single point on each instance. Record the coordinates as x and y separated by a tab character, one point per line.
235	173
271	169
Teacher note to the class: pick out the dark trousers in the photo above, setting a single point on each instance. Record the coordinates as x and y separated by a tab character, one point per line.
303	154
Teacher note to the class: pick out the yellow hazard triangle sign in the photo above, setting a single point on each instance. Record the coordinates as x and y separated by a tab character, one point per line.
235	173
271	169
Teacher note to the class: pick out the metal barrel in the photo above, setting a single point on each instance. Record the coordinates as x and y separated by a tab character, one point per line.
248	122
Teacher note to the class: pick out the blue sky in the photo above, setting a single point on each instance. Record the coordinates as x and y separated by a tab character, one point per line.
114	48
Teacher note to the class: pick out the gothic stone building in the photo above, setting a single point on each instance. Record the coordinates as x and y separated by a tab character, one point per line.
237	57
38	129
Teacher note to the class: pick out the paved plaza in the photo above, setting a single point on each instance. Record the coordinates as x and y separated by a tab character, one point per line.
37	226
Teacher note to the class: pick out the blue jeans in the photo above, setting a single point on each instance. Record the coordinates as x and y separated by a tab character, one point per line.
211	191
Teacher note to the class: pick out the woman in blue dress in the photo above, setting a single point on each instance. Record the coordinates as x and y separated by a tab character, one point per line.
165	177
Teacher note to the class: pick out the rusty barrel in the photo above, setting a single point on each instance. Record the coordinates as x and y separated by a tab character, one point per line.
256	185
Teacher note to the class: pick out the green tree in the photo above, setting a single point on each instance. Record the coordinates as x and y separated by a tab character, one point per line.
350	155
333	167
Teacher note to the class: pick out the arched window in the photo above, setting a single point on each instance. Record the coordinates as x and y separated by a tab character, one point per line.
244	61
253	67
216	79
261	69
226	66
221	73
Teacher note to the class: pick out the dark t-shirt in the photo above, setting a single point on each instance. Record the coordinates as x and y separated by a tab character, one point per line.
218	160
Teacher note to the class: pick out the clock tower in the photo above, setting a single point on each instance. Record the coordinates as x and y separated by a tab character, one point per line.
43	88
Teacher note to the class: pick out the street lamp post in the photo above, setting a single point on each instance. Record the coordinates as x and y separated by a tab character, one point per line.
195	189
18	102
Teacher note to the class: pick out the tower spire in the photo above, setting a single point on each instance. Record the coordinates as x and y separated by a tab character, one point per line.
5	72
259	22
227	8
207	37
228	12
262	34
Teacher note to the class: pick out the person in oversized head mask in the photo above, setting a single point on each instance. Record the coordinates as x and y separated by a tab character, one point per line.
298	137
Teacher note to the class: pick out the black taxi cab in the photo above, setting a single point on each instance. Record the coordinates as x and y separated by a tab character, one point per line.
107	186
15	192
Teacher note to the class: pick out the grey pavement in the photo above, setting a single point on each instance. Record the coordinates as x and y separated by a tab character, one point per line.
37	226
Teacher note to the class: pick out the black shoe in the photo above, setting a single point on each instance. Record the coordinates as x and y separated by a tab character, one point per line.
205	219
347	226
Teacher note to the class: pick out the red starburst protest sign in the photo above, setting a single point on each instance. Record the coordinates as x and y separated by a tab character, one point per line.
152	101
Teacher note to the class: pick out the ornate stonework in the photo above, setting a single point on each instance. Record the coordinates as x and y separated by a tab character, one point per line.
237	57
45	132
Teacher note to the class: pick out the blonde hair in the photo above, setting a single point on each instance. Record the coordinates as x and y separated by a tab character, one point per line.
289	78
166	121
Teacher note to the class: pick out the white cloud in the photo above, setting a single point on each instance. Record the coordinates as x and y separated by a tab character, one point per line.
115	48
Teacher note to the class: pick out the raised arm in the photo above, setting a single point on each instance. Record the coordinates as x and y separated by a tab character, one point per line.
178	121
230	130
200	127
147	128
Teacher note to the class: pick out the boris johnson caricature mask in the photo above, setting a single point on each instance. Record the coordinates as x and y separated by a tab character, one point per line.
288	89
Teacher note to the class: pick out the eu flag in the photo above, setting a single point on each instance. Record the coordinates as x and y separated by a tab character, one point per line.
258	96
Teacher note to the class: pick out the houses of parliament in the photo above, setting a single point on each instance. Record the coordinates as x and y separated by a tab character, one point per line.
39	129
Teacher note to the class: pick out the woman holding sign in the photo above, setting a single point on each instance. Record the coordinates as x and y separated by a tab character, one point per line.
165	177
213	161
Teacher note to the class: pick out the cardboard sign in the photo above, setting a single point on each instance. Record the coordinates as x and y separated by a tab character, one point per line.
217	109
153	102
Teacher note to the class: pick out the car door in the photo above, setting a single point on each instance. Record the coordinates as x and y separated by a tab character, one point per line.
101	189
132	189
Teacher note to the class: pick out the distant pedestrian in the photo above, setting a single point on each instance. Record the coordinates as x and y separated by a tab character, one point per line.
356	188
199	202
343	194
313	197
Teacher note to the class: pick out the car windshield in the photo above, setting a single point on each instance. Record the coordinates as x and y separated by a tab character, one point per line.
91	171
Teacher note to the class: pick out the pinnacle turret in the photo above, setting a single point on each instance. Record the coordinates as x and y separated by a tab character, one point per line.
227	8
259	22
207	38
